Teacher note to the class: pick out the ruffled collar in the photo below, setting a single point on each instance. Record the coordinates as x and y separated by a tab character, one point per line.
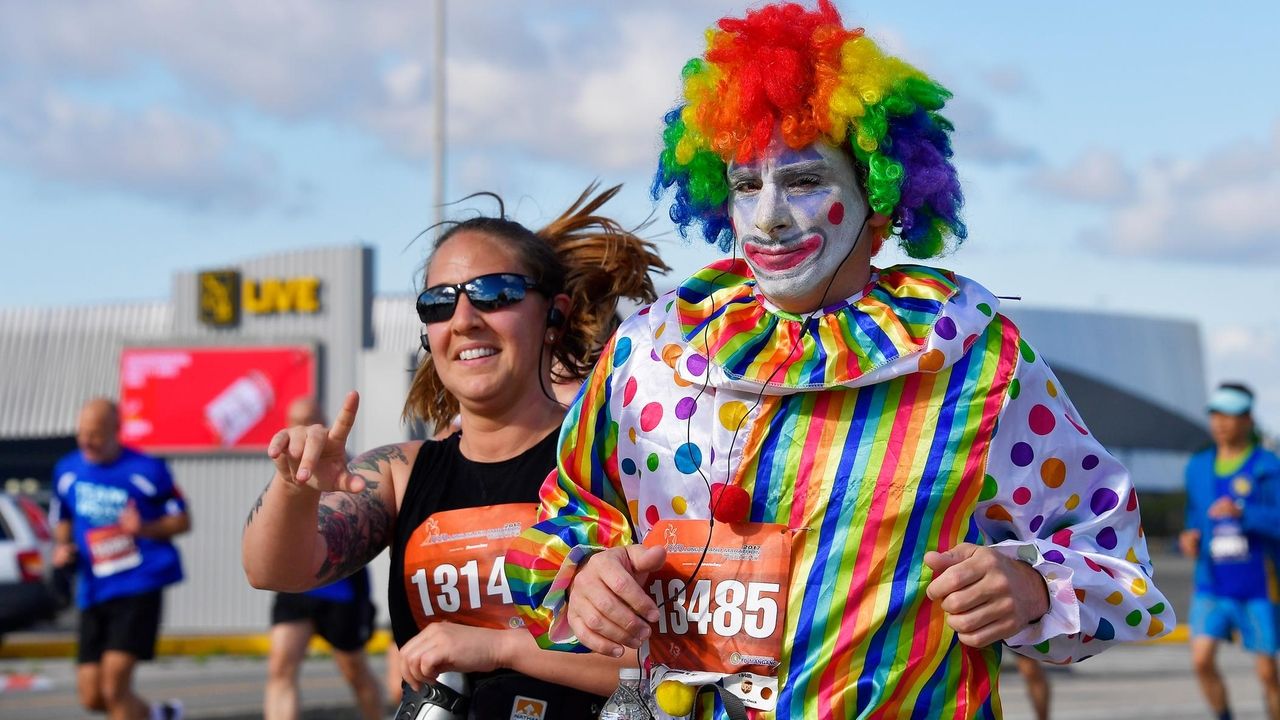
724	319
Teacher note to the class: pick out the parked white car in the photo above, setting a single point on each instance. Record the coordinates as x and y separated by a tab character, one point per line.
26	553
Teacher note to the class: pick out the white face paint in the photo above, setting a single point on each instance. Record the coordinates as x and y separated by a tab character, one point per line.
797	215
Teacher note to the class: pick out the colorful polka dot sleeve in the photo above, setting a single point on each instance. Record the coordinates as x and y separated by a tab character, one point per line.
1053	496
575	520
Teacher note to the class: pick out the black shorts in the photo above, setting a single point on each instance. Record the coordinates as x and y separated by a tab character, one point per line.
347	626
127	624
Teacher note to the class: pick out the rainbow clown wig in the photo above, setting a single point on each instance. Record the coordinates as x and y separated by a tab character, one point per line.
784	66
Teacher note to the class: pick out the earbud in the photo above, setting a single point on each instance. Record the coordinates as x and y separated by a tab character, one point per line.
555	318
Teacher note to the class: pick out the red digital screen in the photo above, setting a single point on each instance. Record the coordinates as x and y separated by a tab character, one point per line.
210	399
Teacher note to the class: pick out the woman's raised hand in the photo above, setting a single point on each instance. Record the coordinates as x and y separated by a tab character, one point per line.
315	456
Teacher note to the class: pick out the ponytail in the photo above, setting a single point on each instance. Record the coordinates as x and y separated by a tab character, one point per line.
603	264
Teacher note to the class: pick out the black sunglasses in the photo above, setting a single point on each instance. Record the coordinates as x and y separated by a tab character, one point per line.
486	293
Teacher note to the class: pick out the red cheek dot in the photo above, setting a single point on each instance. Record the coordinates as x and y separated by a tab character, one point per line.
836	214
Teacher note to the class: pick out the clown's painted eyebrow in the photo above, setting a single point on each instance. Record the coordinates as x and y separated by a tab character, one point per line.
787	171
809	167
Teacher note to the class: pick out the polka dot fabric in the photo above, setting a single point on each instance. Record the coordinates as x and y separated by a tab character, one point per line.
873	469
1054	496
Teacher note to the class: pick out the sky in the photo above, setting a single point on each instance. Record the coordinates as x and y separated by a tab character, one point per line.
1118	157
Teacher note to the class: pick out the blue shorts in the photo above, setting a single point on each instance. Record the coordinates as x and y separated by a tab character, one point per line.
1257	621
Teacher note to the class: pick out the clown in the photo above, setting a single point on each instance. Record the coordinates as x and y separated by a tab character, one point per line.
873	480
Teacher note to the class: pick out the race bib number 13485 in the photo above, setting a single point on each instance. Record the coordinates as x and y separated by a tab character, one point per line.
728	617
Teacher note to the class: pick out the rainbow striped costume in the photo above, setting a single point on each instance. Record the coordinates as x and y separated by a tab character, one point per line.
911	417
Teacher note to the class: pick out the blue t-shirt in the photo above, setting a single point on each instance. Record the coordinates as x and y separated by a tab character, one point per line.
346	590
91	497
1238	556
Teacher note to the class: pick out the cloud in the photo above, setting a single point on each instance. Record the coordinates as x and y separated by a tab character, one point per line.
1218	208
577	84
153	152
1242	352
979	139
593	98
1008	80
143	96
1097	176
583	85
288	58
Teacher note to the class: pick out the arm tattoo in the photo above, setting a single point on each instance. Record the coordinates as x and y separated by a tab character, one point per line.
355	529
356	526
371	462
253	511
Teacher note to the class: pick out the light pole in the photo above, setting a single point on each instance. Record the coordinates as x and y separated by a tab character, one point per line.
439	141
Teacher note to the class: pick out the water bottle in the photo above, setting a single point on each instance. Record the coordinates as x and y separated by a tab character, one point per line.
627	703
446	699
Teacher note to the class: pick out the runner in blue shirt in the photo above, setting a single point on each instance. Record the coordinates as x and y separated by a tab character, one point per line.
1233	531
115	513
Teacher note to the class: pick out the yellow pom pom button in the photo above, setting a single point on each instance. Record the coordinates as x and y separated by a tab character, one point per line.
675	698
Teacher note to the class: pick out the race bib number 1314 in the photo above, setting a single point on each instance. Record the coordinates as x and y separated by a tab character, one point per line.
453	565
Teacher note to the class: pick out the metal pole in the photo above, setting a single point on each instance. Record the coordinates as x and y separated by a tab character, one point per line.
438	193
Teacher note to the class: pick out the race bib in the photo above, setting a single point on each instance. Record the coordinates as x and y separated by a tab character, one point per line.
1228	544
453	565
730	616
111	550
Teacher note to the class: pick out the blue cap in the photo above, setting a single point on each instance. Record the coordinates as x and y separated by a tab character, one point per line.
1230	401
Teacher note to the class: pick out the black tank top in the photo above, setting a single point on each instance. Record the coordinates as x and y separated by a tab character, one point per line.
443	479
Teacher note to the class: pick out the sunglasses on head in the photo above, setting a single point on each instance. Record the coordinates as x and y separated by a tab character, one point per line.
486	293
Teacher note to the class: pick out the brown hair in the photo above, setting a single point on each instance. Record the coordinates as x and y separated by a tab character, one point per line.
589	257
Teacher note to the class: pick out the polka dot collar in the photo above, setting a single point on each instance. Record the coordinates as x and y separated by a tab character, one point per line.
725	320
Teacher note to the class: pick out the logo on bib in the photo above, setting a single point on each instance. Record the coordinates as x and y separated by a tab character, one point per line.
525	708
738	658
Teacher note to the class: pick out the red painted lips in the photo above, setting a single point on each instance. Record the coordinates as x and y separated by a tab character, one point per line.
777	258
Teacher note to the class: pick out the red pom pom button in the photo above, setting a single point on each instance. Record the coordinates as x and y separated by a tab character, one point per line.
730	503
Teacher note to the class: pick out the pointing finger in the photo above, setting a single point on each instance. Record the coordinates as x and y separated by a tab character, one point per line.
346	418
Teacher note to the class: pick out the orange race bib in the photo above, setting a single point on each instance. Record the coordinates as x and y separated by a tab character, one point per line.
453	565
730	617
111	550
